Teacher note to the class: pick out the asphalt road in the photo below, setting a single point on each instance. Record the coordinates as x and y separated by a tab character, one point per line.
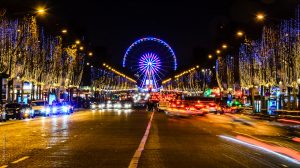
112	138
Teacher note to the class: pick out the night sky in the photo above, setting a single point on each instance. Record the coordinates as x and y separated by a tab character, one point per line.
192	28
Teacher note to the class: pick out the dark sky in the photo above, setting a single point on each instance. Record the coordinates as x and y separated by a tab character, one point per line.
192	28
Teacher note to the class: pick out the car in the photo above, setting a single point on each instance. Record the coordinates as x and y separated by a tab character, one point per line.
226	109
60	108
2	114
69	106
40	108
28	113
94	105
126	104
17	111
140	104
178	108
162	105
117	105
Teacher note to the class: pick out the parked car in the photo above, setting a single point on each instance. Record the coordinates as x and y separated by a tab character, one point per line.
2	114
28	112
17	111
40	108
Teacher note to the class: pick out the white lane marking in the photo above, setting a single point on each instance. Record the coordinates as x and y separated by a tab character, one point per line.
240	163
135	159
20	160
4	166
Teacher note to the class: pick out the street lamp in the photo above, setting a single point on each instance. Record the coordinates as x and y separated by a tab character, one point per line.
90	54
77	42
260	16
224	46
240	33
218	51
81	48
64	31
41	10
210	56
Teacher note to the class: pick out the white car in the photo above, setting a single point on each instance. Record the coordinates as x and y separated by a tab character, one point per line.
40	108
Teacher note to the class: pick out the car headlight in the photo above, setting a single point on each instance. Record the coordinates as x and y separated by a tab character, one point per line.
127	105
65	108
27	111
93	106
108	105
46	110
54	110
101	105
117	105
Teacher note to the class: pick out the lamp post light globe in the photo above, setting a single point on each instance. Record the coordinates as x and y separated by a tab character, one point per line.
224	46
260	16
41	10
239	33
64	31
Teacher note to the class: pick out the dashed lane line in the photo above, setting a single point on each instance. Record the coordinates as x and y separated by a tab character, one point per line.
4	166
135	159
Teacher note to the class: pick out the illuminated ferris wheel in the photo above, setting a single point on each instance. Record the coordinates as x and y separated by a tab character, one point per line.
151	60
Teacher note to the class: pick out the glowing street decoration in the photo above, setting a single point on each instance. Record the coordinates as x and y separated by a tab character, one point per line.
149	66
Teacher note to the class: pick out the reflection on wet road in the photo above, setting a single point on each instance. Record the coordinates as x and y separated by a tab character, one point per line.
95	138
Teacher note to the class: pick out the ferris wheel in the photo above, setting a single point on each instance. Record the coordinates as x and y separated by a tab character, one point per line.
151	60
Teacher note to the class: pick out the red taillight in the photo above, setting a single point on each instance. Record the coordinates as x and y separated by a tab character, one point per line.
212	104
173	105
199	105
182	106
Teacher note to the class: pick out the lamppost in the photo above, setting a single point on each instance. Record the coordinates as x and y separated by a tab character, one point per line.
298	82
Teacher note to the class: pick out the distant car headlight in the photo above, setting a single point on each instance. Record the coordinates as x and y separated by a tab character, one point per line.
127	105
46	110
93	106
117	105
54	110
101	105
109	105
65	108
